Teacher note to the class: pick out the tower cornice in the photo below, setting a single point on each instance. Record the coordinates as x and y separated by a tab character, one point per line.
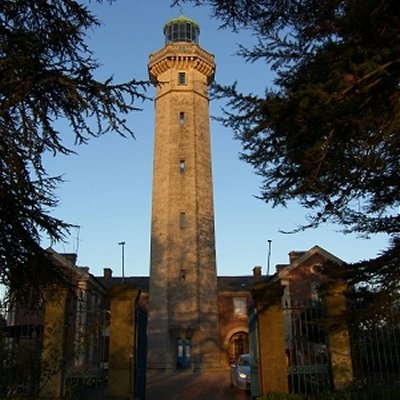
181	55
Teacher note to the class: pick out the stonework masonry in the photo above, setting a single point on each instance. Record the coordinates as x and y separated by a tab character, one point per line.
183	316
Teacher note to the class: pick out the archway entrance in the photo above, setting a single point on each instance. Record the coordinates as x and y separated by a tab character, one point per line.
238	344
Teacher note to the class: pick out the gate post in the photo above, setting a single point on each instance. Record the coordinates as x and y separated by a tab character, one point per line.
53	353
338	334
122	341
270	324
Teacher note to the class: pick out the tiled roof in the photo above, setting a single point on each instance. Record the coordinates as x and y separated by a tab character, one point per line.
235	283
225	283
142	282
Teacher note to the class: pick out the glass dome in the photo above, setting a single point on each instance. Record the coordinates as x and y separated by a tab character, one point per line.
181	29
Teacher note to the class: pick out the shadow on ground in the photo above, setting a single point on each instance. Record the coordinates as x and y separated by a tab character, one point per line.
210	385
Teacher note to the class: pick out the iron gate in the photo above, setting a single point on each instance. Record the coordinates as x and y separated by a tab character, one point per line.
309	370
141	354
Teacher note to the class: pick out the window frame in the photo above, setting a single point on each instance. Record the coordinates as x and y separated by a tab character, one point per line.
182	79
240	306
182	220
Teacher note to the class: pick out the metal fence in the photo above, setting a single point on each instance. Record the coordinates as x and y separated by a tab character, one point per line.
20	349
22	369
307	351
375	345
374	341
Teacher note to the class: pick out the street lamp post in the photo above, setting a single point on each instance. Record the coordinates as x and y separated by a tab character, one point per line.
122	244
269	256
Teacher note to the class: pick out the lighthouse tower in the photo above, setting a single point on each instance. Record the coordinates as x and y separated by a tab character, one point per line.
183	317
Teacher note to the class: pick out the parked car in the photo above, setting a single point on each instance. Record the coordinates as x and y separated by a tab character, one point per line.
240	372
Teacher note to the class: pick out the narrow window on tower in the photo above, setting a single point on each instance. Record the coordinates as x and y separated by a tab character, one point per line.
183	274
182	78
181	117
182	166
182	220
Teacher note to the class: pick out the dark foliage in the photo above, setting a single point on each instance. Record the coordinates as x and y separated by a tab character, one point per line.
46	75
326	132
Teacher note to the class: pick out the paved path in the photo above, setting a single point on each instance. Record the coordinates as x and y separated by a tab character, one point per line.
214	385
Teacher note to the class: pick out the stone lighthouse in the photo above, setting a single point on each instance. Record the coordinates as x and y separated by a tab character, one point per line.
183	318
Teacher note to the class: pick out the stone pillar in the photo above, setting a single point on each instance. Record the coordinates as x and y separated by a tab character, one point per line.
53	353
122	341
272	360
338	336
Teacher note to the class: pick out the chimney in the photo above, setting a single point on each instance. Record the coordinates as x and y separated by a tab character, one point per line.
257	271
85	270
70	258
294	255
107	273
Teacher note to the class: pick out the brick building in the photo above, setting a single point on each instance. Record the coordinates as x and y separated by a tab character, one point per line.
233	301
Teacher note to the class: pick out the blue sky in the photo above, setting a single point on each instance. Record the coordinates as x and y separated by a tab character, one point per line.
107	188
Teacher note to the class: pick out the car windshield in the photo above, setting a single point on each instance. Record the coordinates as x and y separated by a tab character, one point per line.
244	360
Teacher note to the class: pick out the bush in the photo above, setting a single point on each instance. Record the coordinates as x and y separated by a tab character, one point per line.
281	396
365	393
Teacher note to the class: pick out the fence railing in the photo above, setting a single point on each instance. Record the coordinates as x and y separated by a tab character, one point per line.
307	349
22	369
374	342
375	346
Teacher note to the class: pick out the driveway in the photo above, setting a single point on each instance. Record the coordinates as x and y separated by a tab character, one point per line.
213	385
183	386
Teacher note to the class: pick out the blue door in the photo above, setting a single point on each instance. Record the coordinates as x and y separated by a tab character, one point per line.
184	354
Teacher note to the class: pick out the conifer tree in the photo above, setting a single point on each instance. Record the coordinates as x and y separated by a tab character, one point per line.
47	74
326	132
